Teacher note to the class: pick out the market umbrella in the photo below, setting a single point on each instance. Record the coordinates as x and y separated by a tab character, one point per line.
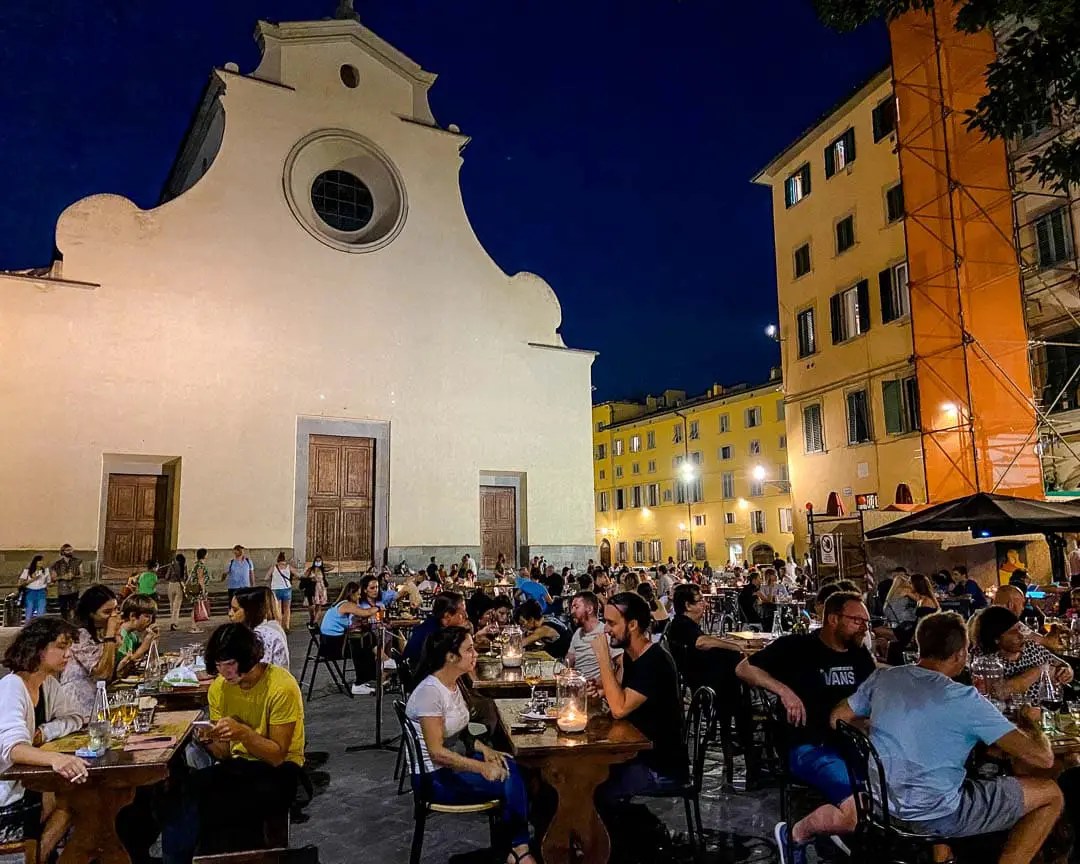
986	515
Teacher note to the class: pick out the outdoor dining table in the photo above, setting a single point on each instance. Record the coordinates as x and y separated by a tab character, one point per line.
109	787
573	765
509	681
750	642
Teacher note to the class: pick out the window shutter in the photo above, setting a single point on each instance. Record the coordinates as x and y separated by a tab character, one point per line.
849	146
852	425
888	312
875	115
830	162
1057	226
911	403
837	313
891	394
788	189
862	291
1042	234
805	171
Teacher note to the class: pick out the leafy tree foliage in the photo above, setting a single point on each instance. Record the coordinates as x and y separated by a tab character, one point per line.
1034	80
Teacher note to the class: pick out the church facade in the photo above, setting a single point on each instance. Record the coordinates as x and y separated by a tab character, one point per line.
303	347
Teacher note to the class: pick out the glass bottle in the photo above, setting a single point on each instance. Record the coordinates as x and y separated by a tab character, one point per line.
100	727
1049	696
153	664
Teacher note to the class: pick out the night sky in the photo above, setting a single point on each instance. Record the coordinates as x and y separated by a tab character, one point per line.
613	143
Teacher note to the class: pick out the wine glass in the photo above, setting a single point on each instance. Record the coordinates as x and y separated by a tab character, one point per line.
532	671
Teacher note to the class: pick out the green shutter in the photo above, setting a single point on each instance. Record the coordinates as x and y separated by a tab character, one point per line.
849	146
892	395
805	171
837	314
862	291
830	162
875	115
885	286
788	197
1042	234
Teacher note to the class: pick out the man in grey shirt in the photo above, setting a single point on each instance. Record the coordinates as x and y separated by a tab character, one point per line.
583	609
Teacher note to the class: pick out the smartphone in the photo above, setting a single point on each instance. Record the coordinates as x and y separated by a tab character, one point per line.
203	724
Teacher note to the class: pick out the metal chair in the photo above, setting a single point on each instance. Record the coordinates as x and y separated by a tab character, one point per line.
408	682
422	792
778	739
316	653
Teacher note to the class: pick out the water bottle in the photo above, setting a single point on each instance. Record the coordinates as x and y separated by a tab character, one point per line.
153	665
100	730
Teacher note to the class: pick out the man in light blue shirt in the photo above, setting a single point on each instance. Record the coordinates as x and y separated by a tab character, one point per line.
241	572
532	589
923	726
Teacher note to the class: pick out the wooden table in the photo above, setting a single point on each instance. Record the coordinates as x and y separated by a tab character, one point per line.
509	681
179	698
750	642
109	787
573	765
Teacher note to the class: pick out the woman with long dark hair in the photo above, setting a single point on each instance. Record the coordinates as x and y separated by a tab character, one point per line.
34	581
257	607
93	654
438	712
336	622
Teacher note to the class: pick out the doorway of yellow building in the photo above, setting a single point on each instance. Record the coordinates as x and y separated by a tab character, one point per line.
605	553
762	555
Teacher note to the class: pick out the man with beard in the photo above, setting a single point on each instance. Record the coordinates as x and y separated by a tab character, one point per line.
581	657
647	695
811	674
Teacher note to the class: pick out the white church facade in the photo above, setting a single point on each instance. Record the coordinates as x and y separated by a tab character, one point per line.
303	347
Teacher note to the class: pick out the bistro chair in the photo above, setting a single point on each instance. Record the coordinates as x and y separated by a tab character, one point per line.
408	682
316	656
778	738
422	793
700	731
875	827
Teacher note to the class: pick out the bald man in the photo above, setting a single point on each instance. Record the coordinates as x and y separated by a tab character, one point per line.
1013	599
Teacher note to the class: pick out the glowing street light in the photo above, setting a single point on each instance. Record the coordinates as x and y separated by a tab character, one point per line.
743	503
771	331
686	471
645	511
682	526
759	472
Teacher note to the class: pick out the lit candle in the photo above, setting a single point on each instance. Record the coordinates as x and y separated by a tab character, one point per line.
571	721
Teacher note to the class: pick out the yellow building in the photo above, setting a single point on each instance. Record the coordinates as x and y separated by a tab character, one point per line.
693	479
844	322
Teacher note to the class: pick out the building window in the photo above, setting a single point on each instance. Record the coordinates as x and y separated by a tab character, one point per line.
342	200
845	234
620	551
850	312
603	474
797	186
725	423
729	518
802	260
635	496
895	296
620	499
804	322
725	453
682	550
618	472
635	468
727	483
618	446
1037	123
652	466
655	550
696	490
603	502
600	426
840	153
753	417
757	488
1054	238
884	117
699	552
635	443
676	433
782	473
650	440
901	400
782	444
667	495
786	523
693	430
652	495
757	521
813	430
894	203
699	520
601	452
780	411
755	447
639	551
697	458
858	417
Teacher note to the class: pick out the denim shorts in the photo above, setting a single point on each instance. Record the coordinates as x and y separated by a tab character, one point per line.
824	769
284	595
986	806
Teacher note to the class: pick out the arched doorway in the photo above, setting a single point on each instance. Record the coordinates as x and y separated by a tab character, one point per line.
903	494
834	506
762	555
605	553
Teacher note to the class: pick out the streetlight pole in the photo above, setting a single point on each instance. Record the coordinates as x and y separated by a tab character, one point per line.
687	472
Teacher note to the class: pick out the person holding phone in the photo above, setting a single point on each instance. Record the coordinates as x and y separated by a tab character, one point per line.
93	653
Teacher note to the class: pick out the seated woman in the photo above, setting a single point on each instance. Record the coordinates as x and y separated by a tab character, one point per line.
258	609
34	708
998	632
335	625
656	608
926	601
93	653
438	712
137	631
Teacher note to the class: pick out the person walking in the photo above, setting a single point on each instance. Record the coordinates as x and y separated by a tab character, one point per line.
240	573
314	587
200	573
34	581
175	576
279	578
67	573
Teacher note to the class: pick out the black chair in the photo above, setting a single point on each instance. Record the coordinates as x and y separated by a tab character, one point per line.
700	731
879	834
779	740
422	792
336	668
408	682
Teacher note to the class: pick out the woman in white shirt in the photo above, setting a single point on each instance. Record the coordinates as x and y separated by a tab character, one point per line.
34	580
280	579
34	708
257	607
439	714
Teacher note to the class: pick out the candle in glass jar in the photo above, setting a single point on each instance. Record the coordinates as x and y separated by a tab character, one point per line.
572	721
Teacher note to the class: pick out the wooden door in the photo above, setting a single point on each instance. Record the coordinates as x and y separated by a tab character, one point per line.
498	525
135	520
605	553
341	500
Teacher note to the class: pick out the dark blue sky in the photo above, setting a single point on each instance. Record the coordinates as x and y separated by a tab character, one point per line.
613	143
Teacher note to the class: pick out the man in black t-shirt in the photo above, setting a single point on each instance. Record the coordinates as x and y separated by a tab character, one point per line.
543	632
748	598
648	696
812	673
702	660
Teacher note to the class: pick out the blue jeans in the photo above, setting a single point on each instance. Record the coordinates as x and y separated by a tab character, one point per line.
34	603
628	779
824	769
467	787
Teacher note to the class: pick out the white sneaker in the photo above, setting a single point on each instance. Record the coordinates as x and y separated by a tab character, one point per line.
389	664
362	690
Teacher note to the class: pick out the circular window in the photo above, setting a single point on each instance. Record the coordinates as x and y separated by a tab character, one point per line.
349	76
341	200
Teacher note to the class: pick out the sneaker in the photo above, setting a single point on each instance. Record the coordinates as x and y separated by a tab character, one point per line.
784	844
362	690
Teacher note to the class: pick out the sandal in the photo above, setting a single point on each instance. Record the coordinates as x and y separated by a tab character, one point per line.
519	857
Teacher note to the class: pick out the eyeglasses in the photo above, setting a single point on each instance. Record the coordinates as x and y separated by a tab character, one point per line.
858	619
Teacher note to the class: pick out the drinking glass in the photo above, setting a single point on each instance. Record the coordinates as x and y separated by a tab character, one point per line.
533	673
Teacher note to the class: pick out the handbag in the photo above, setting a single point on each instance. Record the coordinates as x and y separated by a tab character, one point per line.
201	612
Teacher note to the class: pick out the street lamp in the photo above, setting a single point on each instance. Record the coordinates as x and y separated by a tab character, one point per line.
759	472
686	471
771	331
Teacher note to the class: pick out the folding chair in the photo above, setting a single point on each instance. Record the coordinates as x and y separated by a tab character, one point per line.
336	668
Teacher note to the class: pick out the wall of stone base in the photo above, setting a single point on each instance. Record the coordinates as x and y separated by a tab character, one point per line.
565	556
418	557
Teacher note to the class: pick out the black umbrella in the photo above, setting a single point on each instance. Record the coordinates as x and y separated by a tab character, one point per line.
987	515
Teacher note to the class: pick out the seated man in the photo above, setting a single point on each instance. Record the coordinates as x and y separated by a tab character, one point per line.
647	695
137	631
998	632
531	589
812	673
700	659
447	610
1015	600
923	726
580	656
543	632
257	738
963	585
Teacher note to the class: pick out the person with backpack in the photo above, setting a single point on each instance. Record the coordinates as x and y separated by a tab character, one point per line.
240	573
